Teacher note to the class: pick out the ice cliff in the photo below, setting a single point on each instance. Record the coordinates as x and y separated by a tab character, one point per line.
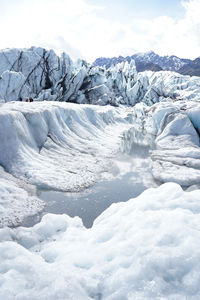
43	75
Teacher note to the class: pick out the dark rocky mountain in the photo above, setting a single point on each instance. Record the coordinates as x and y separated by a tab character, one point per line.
154	62
108	62
168	63
147	66
141	64
192	68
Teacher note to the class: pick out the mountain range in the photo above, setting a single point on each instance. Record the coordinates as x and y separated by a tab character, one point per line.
154	62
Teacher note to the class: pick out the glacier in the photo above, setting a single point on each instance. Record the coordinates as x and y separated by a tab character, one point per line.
65	140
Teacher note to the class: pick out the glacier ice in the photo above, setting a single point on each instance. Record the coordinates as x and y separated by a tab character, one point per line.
70	140
172	131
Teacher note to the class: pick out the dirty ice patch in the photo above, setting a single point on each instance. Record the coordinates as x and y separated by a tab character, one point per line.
17	200
146	248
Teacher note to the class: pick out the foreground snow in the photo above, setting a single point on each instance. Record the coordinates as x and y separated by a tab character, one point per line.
146	248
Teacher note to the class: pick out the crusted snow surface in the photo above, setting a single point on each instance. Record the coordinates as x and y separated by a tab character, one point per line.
146	248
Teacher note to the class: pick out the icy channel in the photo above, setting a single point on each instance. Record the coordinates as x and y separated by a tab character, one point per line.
129	175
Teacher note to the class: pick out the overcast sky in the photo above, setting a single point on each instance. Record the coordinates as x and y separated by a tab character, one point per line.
94	28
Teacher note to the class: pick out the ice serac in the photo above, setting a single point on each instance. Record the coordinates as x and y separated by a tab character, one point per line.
43	75
42	71
121	80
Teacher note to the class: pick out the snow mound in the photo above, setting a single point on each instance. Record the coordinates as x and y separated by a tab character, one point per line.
146	248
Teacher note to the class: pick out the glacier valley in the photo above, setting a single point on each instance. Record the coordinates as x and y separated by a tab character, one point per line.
89	127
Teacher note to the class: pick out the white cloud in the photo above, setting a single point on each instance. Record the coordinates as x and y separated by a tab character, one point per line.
77	28
180	37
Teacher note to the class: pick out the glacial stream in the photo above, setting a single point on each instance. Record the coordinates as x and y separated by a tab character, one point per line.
128	176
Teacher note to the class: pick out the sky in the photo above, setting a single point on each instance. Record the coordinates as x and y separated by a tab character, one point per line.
96	28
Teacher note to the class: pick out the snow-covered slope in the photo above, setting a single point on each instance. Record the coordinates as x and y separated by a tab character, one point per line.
168	63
